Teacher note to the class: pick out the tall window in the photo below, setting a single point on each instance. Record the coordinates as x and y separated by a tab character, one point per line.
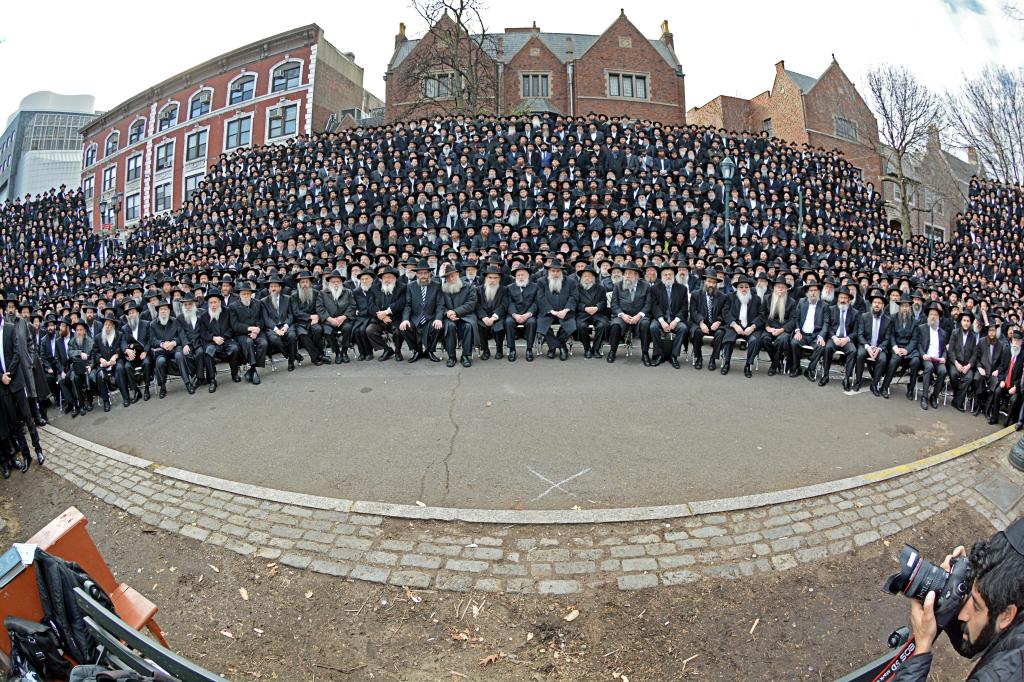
284	120
109	177
162	197
846	129
195	145
133	168
439	85
627	85
131	207
90	156
766	126
137	131
242	90
199	104
165	156
535	85
239	132
192	185
113	140
168	118
87	188
286	77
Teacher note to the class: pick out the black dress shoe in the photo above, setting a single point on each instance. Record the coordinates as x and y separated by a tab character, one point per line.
190	387
657	361
934	402
846	385
924	403
89	406
823	381
5	469
256	381
451	362
958	408
235	378
498	355
145	394
106	406
360	357
563	353
598	354
529	355
386	355
711	365
291	365
675	363
747	371
795	372
646	361
992	421
551	353
486	355
40	421
398	356
977	408
466	362
344	358
698	364
587	355
1019	426
433	357
810	375
857	386
299	357
725	369
874	390
136	396
611	357
213	386
337	358
26	463
40	456
885	393
772	371
127	403
910	392
512	355
416	355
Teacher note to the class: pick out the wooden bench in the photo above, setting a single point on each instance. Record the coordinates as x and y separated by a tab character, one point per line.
66	537
124	648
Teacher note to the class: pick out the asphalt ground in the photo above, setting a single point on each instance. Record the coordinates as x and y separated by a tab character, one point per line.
540	435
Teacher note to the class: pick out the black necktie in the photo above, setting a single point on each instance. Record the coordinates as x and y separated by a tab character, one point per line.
423	297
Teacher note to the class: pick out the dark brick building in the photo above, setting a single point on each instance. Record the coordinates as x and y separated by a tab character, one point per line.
618	73
826	112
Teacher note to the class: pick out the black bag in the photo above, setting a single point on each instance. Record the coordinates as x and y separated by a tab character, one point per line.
35	650
96	673
57	580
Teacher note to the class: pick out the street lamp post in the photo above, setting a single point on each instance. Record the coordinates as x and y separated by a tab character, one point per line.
727	168
931	221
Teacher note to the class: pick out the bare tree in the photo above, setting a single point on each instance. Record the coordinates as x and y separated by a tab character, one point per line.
907	110
988	115
452	69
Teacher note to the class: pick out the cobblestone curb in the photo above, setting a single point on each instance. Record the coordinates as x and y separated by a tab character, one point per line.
333	537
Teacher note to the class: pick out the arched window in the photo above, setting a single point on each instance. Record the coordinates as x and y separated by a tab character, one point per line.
242	89
287	76
90	156
200	103
113	140
168	117
137	131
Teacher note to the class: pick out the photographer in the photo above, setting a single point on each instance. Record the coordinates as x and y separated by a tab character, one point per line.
990	622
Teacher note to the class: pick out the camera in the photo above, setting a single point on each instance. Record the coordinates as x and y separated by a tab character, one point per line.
918	576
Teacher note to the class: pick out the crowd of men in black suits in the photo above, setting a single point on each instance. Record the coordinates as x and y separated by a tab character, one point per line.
473	232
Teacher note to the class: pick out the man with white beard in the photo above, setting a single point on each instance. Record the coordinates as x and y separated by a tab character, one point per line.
109	363
828	291
459	305
388	303
491	309
844	321
247	325
932	342
591	311
135	350
631	308
556	302
336	308
168	343
743	320
873	341
189	320
894	302
811	318
522	310
761	288
1009	385
903	349
779	323
216	337
307	323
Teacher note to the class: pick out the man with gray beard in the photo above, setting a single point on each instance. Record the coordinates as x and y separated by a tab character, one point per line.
307	323
109	363
459	304
247	325
894	302
216	337
189	320
631	306
743	320
779	323
591	311
904	351
491	309
336	308
522	310
556	302
169	344
388	302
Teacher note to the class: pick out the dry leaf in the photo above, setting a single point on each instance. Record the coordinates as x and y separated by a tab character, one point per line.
215	569
529	636
245	594
488	403
571	616
257	631
420	504
412	597
460	636
309	594
493	658
227	633
576	507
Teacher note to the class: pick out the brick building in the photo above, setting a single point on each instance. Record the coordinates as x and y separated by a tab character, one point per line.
146	155
618	73
826	112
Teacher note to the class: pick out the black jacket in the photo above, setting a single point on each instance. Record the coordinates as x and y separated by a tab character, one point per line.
1003	660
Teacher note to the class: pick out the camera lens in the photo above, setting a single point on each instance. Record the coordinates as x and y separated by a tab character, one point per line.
917	576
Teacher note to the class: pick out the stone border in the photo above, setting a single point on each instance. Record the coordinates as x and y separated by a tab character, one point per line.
542	517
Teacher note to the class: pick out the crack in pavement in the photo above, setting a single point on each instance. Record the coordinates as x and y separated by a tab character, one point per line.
451	444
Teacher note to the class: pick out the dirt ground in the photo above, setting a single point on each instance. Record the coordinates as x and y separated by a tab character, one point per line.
815	622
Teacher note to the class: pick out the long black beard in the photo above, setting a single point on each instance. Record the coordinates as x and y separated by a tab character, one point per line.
970	649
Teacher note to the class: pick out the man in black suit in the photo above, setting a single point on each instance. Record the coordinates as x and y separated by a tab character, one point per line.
670	308
706	319
247	325
779	314
811	321
459	306
1009	385
421	316
491	310
216	335
189	321
168	343
336	308
591	311
308	330
362	296
743	320
873	341
81	367
932	342
556	304
961	354
109	362
135	345
14	394
990	362
278	322
522	310
54	357
388	303
631	306
840	336
904	349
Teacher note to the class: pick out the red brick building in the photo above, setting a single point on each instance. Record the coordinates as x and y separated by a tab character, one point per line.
826	111
146	155
618	73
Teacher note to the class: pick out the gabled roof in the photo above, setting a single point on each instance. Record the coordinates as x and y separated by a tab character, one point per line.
805	83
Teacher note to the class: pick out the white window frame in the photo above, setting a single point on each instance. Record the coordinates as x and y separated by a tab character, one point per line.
896	194
169	157
543	78
206	145
231	84
436	79
106	143
138	207
170	197
89	187
112	184
620	77
232	120
86	162
159	115
139	119
128	167
196	94
281	64
184	185
269	112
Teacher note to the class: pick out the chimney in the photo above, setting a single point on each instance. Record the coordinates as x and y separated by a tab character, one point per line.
666	35
400	37
780	66
972	156
933	137
534	29
568	49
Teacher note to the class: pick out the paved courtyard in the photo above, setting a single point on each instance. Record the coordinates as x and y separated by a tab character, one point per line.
545	435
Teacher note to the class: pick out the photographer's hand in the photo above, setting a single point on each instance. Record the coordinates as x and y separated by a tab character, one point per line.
922	623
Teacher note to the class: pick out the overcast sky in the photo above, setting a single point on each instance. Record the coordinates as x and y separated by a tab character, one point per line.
114	49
